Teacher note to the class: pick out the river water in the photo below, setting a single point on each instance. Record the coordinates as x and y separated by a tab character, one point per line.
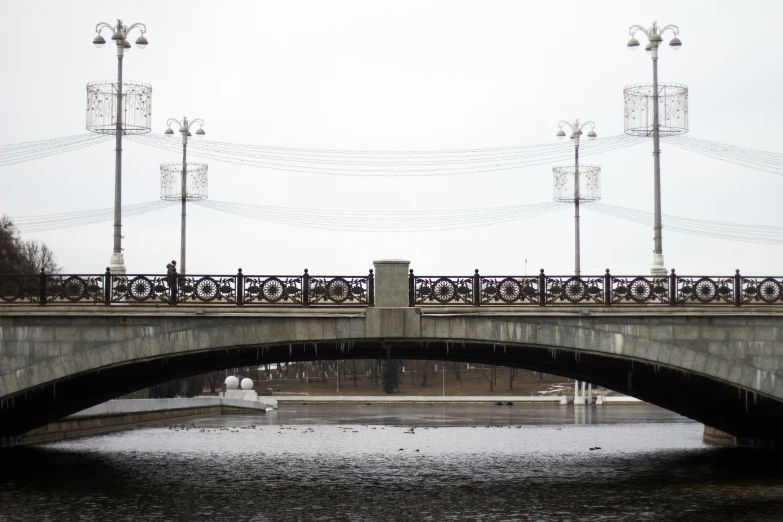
360	463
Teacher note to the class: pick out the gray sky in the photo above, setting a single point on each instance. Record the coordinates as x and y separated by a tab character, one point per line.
403	76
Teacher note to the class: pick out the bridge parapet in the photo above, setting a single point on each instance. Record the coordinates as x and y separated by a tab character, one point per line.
397	287
604	290
201	290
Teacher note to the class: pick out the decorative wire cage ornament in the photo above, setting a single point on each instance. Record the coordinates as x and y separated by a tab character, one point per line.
589	183
102	107
672	109
171	181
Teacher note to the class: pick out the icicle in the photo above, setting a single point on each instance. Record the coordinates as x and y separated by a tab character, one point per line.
290	350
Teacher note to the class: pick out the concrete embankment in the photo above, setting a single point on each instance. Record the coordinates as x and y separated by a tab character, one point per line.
436	399
126	414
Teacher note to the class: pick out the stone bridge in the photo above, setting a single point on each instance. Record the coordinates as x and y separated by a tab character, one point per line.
708	348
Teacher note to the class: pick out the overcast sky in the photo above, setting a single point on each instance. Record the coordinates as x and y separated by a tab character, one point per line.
395	75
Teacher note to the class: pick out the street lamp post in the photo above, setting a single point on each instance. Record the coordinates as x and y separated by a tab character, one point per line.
120	34
576	134
184	129
655	38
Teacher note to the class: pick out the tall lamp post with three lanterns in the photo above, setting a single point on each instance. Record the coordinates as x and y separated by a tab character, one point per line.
198	181
101	96
578	189
654	36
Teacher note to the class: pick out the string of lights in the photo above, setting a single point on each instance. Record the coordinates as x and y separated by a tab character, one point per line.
715	229
410	220
397	163
13	154
381	220
391	166
756	159
42	223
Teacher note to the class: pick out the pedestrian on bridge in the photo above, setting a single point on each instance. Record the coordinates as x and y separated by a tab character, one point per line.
171	273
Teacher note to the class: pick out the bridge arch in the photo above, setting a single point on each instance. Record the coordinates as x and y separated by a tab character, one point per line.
716	369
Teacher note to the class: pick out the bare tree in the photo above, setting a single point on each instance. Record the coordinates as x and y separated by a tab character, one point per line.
512	374
492	378
214	379
23	257
457	373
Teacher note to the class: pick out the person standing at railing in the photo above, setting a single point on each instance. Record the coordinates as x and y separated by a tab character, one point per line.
171	273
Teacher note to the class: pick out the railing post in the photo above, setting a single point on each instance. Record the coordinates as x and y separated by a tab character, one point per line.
107	287
476	288
411	289
608	288
737	288
306	288
42	288
240	287
174	289
371	289
673	288
541	288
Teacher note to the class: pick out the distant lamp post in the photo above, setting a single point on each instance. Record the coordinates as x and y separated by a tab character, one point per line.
638	99
575	183
193	184
103	96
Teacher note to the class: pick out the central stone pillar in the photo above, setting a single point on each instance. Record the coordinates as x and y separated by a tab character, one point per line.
391	283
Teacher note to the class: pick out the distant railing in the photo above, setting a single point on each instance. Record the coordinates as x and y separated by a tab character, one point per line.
605	290
201	290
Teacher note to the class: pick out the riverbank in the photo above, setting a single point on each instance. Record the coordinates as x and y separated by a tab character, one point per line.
434	399
124	414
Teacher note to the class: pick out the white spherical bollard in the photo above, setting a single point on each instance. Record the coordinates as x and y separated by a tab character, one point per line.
247	384
232	383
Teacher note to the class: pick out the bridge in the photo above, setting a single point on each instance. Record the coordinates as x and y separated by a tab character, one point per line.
709	348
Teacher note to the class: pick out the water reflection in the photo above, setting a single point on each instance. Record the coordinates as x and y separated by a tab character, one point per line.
347	462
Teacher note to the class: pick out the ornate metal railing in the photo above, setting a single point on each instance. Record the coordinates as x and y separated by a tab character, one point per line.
306	290
605	290
201	290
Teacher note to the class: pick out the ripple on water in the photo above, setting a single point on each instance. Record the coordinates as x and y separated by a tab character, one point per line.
313	468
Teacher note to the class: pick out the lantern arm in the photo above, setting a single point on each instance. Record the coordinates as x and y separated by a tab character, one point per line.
632	30
142	29
673	28
103	25
181	124
567	124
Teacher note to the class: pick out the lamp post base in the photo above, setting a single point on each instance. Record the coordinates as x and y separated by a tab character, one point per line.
658	269
117	264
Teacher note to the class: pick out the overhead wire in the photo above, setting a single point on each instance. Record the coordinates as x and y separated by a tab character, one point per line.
382	220
388	163
16	153
392	163
764	234
46	222
764	161
417	220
